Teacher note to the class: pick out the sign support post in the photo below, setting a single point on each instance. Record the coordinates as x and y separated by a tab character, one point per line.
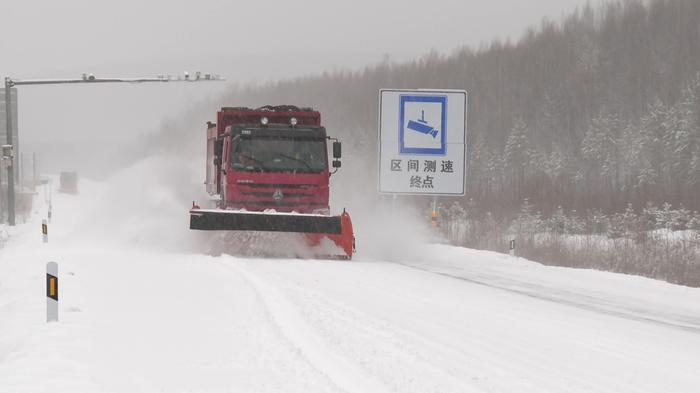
10	164
434	214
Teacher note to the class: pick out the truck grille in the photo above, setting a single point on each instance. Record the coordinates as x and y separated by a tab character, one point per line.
302	186
292	194
281	203
270	194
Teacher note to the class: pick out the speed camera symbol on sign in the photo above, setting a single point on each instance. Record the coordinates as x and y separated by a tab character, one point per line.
423	124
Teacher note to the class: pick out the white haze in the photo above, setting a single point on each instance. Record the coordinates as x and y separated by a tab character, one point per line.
87	127
100	130
145	206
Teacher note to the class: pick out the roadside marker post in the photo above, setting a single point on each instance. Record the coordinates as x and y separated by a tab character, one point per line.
512	247
45	231
52	292
434	215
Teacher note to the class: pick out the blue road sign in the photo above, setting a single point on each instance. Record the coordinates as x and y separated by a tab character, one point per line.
422	141
423	124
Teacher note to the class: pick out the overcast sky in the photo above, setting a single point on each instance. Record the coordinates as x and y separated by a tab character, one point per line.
243	40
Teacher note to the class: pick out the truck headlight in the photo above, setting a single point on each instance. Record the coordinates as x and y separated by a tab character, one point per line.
264	120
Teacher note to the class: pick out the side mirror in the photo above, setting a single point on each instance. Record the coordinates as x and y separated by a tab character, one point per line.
336	164
336	150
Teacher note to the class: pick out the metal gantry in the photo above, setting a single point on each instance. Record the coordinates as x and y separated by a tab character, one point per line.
86	78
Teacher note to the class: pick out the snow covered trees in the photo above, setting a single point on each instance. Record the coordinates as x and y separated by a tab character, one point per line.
592	113
658	242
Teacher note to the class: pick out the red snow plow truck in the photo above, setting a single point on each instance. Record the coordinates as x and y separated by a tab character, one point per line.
267	170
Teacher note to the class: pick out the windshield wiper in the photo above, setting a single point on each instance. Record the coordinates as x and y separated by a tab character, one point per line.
255	160
306	164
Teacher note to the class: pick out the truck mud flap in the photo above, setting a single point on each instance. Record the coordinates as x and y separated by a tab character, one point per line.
212	220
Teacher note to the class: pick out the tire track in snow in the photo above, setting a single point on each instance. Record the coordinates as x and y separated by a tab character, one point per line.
583	302
407	360
401	360
283	366
343	373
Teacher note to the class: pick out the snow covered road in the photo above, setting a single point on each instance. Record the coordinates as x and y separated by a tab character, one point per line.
139	319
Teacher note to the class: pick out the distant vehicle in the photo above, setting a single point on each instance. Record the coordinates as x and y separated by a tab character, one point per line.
268	170
68	183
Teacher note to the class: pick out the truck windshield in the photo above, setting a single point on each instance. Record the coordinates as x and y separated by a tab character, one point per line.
279	154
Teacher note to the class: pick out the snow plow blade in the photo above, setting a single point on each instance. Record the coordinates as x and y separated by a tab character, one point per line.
315	226
223	220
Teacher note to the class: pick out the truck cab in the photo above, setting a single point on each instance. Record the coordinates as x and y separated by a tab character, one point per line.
274	157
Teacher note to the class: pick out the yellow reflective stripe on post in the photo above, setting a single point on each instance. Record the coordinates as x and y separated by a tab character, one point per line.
51	287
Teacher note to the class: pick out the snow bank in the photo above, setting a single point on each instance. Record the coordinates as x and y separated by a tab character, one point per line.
141	313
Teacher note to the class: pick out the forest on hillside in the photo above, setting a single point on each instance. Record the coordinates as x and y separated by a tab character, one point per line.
596	111
585	126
